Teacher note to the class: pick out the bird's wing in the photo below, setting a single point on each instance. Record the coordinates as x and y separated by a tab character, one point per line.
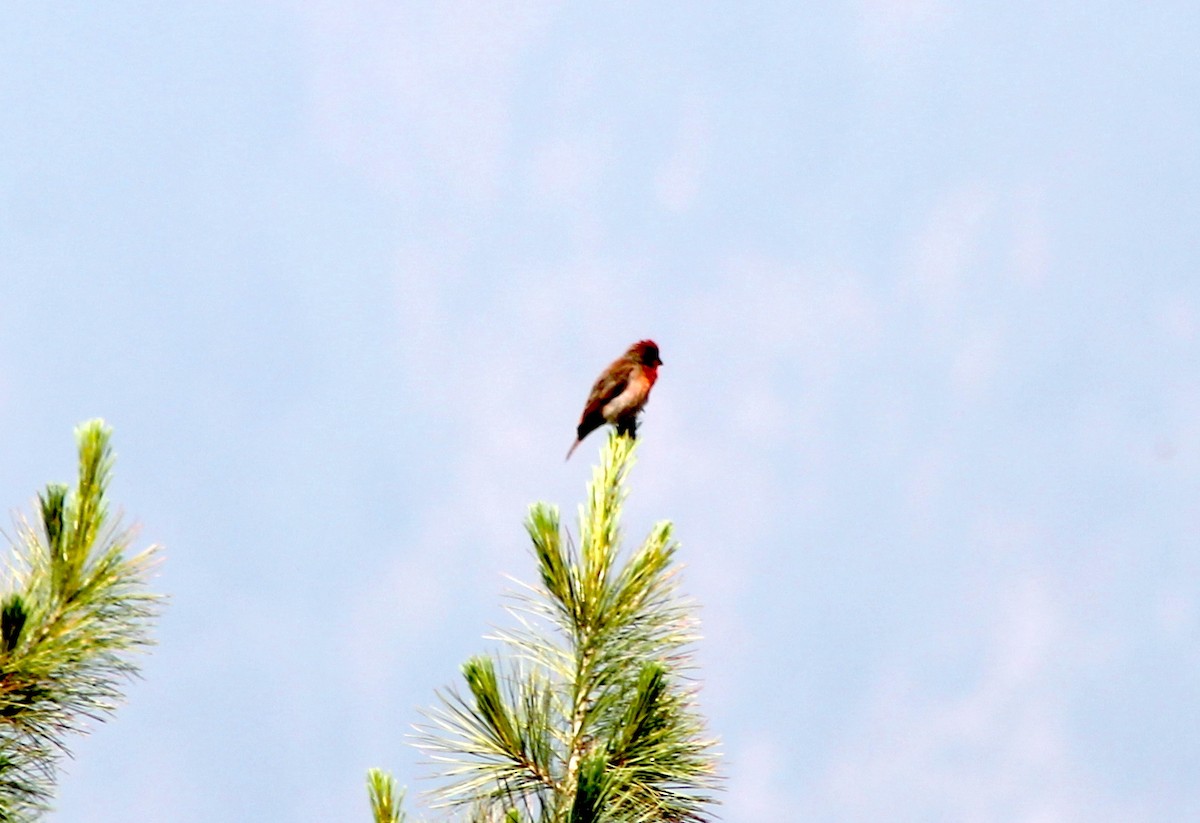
611	383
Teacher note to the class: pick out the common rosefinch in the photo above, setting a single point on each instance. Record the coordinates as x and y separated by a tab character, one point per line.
620	392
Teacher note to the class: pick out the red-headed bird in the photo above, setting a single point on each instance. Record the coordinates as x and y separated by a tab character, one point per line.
620	392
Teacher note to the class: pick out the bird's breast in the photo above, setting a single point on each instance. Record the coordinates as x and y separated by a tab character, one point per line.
630	400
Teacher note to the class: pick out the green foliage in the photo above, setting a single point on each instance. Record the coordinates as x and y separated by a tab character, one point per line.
386	799
74	610
592	718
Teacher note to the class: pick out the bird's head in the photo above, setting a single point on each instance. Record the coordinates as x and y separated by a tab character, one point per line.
646	353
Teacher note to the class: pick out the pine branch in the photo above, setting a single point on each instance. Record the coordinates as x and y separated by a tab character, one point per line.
386	799
75	609
590	719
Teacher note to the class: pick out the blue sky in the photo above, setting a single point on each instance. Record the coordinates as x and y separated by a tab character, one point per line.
925	279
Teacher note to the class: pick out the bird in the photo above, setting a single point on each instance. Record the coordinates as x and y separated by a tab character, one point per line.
620	392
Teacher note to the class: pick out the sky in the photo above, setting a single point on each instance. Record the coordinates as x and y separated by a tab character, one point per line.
926	280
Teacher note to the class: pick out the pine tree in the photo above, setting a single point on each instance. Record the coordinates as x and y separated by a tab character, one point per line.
592	716
75	607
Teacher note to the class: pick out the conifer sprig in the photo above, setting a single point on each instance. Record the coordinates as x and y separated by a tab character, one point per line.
593	717
75	607
386	799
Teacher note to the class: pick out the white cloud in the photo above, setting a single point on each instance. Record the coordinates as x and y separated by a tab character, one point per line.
996	750
1177	320
404	88
946	249
755	793
1176	614
677	184
567	170
1031	259
975	365
397	609
889	28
